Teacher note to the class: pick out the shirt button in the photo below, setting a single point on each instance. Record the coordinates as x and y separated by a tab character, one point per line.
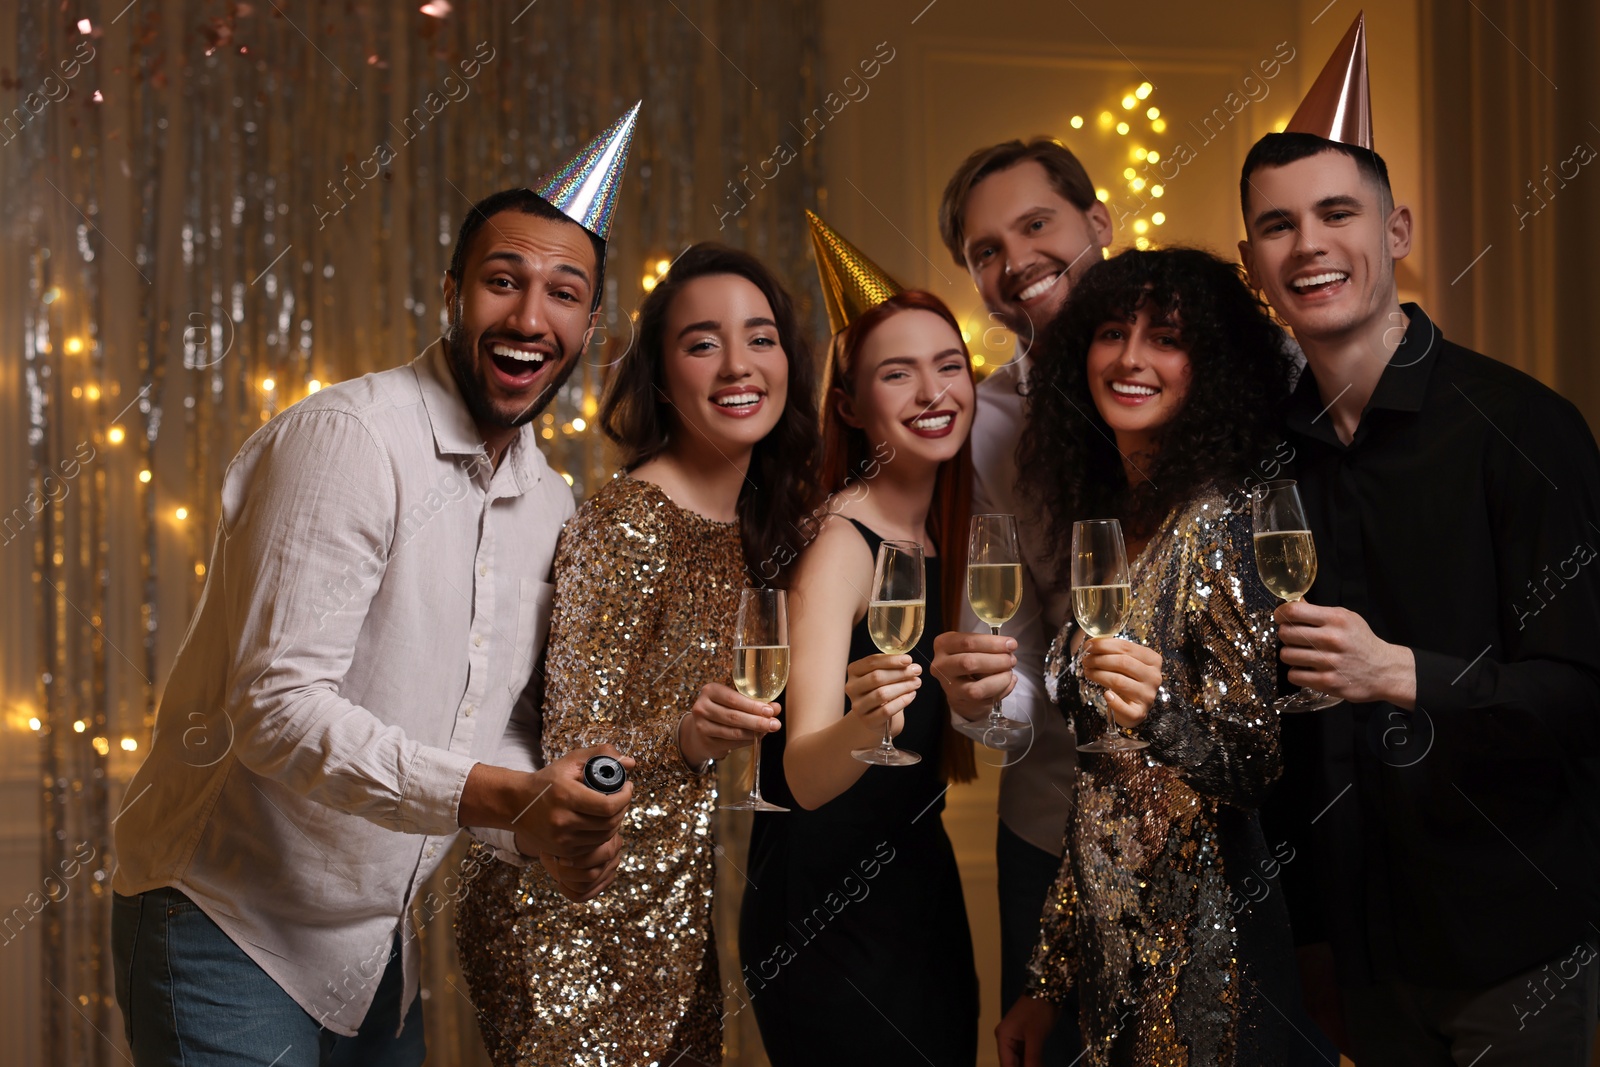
477	640
483	570
467	711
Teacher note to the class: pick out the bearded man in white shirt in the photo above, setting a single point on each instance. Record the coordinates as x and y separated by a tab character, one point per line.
1022	218
359	683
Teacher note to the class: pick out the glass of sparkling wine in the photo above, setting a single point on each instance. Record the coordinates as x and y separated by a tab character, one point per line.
1286	558
994	589
894	619
1101	602
760	670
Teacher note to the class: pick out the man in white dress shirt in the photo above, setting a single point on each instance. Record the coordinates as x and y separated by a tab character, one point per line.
359	683
1023	219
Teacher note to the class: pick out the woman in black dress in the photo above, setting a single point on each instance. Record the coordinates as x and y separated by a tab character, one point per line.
854	933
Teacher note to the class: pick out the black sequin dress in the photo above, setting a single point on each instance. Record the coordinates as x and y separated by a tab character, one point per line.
1166	913
853	936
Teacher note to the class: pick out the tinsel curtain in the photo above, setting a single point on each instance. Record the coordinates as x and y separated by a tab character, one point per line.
210	209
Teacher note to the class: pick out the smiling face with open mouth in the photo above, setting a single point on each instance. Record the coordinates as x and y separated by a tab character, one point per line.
1026	244
520	312
1139	375
1322	246
913	388
725	374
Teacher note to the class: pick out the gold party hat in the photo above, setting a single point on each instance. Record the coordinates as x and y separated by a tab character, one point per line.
851	283
585	190
1339	105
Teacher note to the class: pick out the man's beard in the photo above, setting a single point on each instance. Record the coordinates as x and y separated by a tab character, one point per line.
469	375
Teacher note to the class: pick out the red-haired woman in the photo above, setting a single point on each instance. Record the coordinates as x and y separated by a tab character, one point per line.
854	933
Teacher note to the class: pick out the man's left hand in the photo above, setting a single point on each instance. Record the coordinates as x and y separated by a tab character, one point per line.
1335	651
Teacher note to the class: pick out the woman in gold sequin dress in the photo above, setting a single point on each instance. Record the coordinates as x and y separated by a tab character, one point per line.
714	413
1157	397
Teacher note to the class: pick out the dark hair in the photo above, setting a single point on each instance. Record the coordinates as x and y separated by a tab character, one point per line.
781	485
529	203
847	457
1281	149
1067	176
1068	463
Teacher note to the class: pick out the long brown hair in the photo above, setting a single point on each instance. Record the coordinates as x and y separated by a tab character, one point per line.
781	483
847	458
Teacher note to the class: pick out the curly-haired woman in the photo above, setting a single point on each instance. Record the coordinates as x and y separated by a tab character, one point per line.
1158	393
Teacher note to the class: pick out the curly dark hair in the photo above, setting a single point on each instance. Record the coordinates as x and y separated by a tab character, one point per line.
781	486
1068	463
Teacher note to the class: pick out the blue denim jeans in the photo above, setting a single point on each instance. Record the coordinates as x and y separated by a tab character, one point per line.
191	998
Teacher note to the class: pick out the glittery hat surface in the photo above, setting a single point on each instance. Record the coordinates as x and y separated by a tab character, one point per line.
851	283
585	190
1339	105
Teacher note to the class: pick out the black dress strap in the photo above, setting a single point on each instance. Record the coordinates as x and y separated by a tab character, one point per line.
873	540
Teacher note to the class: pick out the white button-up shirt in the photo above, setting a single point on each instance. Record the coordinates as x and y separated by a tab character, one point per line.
1035	790
376	602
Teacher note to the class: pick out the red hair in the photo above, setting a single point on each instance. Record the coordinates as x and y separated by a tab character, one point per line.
847	457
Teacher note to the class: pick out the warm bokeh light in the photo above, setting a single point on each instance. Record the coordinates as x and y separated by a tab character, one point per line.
1122	128
1144	90
79	726
313	385
102	746
1158	218
566	477
1141	243
1136	184
663	265
1077	122
116	435
1129	103
144	476
1158	190
268	385
648	282
1129	173
1153	114
73	345
180	514
1154	157
1280	125
1101	195
129	745
1141	226
579	425
92	392
34	723
1159	125
1106	119
199	570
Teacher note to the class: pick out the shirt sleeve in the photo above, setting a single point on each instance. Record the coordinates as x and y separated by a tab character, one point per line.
1227	747
519	751
1539	684
308	521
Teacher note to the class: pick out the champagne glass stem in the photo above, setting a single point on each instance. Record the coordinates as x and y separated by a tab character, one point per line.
755	768
996	716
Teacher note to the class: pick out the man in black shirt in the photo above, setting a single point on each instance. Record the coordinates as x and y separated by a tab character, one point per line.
1452	805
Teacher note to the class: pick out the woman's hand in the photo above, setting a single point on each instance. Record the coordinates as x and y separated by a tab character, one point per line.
722	720
880	688
1022	1033
1129	673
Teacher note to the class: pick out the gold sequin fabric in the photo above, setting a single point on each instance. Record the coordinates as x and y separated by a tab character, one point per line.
646	594
1142	916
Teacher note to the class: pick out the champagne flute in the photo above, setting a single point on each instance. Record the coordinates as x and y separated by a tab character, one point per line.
760	670
894	619
994	589
1101	602
1286	558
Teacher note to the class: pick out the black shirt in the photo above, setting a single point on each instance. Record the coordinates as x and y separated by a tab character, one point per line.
1457	844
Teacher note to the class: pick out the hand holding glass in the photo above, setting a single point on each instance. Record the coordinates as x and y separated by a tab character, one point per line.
760	670
1101	602
994	589
894	619
1286	558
